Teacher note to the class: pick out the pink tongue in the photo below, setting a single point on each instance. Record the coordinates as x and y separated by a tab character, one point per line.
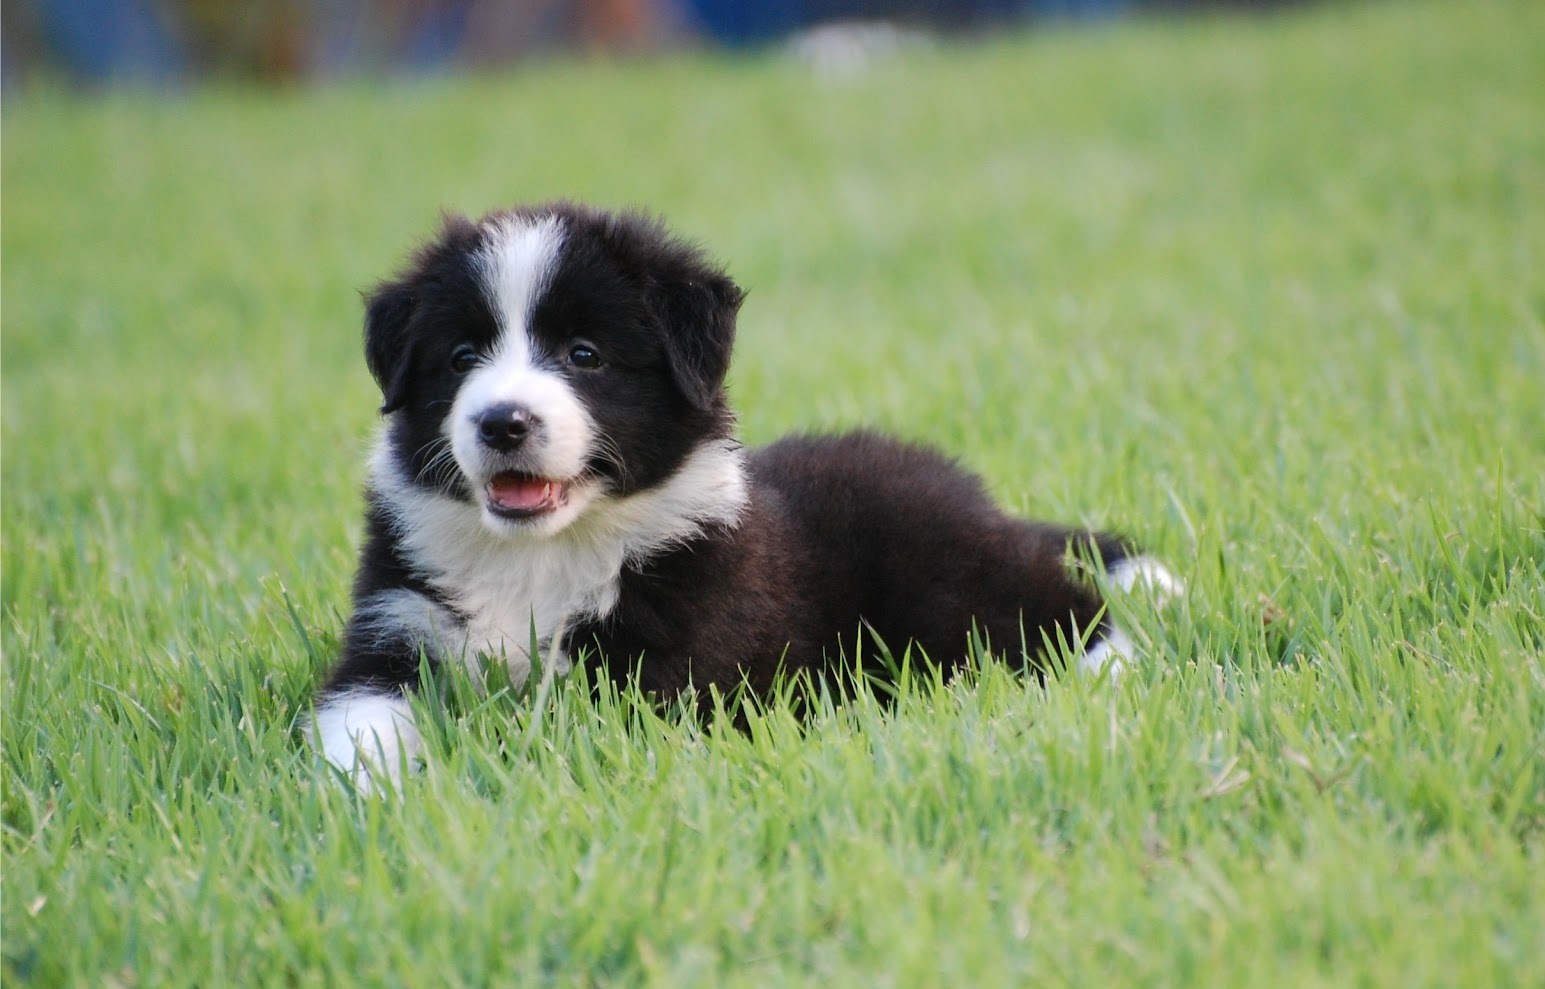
519	493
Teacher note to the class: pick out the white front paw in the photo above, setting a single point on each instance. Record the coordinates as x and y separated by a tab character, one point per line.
369	736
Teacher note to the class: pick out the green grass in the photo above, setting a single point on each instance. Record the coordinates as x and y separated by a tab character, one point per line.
1267	294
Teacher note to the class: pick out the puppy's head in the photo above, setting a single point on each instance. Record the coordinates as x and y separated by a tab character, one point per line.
539	359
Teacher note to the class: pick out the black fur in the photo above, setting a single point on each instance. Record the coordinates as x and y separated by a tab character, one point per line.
848	536
837	532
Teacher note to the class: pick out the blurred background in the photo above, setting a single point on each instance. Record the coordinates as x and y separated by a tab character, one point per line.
165	42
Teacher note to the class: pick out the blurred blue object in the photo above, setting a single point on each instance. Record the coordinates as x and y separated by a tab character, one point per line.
1076	9
437	35
111	40
748	22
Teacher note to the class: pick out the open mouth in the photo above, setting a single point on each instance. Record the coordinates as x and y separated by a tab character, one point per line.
521	496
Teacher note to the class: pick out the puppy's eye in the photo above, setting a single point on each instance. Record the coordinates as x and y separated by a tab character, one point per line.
584	356
464	358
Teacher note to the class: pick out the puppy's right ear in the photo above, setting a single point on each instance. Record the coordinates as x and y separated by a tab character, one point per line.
388	351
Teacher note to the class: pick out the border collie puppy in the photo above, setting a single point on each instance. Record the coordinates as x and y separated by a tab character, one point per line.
558	463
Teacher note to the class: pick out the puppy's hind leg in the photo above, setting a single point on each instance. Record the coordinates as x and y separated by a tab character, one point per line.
1143	576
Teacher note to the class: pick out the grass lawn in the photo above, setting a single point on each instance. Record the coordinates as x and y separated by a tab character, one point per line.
1266	293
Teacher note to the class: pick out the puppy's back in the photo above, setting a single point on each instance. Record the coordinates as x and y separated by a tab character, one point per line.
902	536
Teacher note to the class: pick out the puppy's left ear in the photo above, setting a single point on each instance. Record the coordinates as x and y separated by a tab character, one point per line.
387	348
698	315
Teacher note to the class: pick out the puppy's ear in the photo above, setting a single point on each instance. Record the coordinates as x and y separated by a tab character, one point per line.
698	315
388	351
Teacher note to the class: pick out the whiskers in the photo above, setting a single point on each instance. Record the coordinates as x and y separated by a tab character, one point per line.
434	465
608	452
440	470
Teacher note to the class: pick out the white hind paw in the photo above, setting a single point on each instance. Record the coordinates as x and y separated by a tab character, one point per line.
1140	576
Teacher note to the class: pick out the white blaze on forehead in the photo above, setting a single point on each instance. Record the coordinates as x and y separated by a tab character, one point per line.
516	263
515	267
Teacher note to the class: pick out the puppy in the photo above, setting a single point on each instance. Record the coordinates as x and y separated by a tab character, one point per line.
558	465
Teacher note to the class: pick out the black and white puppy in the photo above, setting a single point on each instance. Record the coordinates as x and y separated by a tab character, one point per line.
558	460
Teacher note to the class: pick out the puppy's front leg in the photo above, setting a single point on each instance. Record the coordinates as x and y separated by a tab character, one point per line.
364	723
367	734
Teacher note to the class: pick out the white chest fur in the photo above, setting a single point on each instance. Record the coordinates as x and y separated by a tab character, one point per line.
511	583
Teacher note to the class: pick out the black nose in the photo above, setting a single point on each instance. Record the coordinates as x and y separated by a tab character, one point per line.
504	427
